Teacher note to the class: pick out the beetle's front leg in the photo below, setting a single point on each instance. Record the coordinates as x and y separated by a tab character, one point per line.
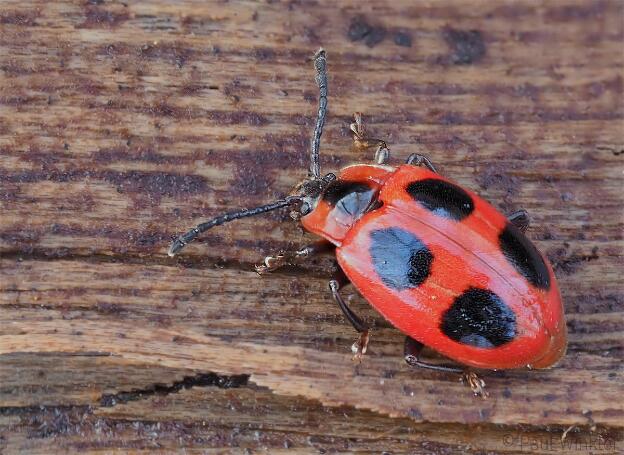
361	343
282	258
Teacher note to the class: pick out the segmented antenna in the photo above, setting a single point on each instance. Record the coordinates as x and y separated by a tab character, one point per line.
320	64
189	236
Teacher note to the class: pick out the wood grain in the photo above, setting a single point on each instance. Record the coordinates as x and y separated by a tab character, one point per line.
122	124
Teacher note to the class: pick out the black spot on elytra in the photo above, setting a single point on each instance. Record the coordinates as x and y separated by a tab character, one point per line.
401	259
442	198
467	46
352	198
479	318
525	258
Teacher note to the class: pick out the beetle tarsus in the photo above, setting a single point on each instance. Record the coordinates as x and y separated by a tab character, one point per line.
520	219
282	258
361	141
476	384
416	159
176	246
382	155
271	263
360	346
357	128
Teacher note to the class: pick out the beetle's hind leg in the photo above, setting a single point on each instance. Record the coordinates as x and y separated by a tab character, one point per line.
520	219
411	352
476	384
361	344
361	141
274	262
416	159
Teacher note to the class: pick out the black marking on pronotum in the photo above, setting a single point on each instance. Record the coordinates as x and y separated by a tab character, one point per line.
353	198
339	189
525	258
479	318
442	198
401	259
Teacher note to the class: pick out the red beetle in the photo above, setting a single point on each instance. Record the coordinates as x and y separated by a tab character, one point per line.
436	260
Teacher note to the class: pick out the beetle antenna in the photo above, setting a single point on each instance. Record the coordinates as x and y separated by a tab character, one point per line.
320	64
189	236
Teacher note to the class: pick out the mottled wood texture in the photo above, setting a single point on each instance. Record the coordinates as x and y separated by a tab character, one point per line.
121	124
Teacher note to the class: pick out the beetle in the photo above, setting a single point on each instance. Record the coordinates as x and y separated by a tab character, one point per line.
436	260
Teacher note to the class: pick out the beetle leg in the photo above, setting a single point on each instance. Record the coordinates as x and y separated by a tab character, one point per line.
361	141
282	258
416	159
476	384
520	219
382	154
357	128
412	350
361	344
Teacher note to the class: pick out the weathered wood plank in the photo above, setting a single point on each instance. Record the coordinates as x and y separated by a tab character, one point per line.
111	403
213	420
288	339
121	124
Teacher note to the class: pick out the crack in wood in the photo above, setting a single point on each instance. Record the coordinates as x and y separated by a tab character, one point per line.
108	400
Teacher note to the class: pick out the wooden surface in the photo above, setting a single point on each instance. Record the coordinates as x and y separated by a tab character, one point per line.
122	124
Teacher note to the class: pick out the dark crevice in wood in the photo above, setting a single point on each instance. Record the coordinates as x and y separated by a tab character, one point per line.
200	380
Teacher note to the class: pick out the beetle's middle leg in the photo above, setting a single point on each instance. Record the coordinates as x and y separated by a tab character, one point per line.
361	344
361	141
416	159
282	258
